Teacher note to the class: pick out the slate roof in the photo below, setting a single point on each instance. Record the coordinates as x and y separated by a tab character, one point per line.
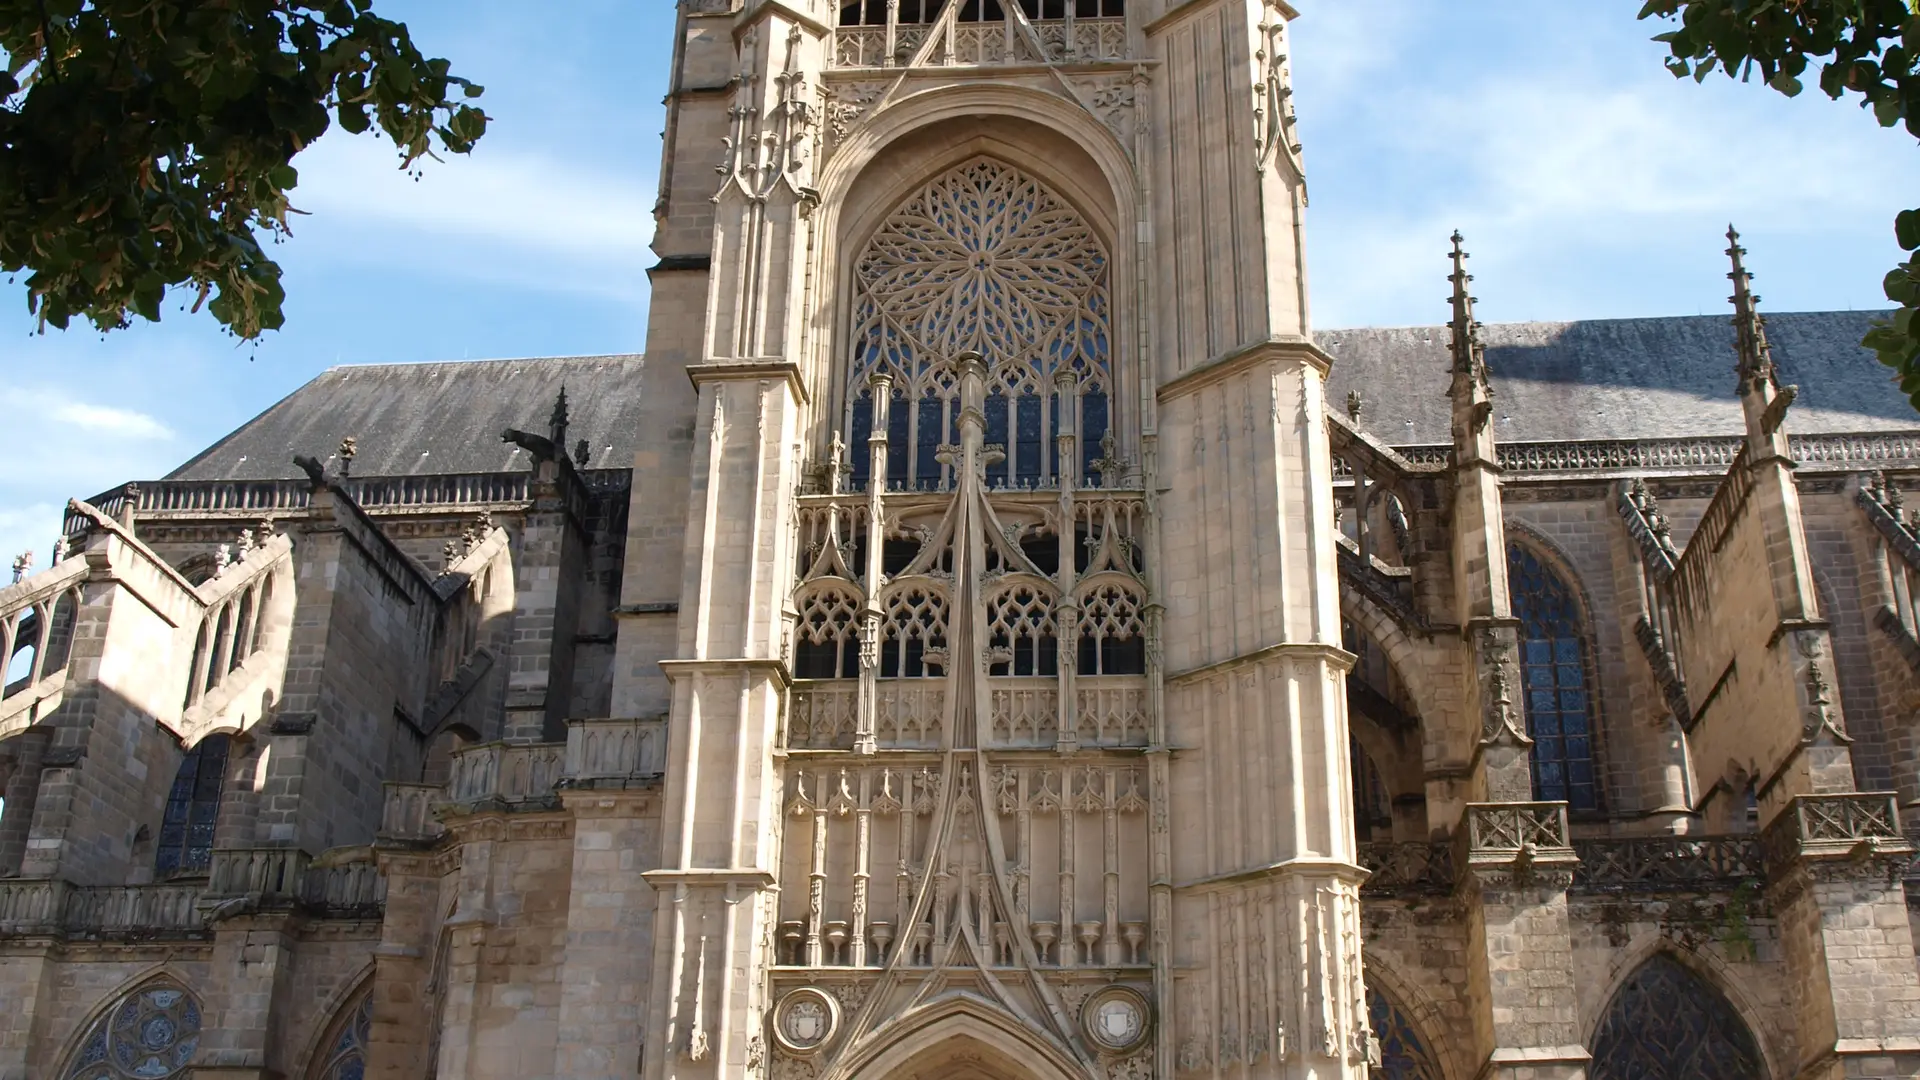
414	419
1553	382
1617	378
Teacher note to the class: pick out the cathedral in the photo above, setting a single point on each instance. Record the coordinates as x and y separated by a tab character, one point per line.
990	634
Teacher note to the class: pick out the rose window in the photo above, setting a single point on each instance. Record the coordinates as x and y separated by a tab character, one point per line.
984	258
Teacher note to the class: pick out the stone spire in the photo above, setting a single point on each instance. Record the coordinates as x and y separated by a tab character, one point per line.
1762	398
1470	391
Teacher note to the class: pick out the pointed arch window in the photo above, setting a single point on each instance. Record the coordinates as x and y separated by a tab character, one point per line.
983	258
1403	1053
344	1055
1666	1023
1555	688
193	808
151	1033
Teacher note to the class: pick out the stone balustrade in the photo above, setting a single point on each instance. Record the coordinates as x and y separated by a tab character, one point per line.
165	906
615	752
506	773
1656	864
408	812
274	873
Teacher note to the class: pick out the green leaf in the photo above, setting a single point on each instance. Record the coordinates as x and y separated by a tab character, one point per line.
1906	229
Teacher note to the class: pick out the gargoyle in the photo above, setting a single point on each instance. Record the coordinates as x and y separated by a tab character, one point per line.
538	447
316	472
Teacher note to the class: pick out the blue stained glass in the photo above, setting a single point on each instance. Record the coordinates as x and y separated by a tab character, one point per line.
898	419
1553	670
1666	1023
1028	451
193	808
857	449
1403	1053
149	1034
997	433
347	1056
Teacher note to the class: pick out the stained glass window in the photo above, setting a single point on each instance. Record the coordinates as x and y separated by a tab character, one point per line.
193	807
1403	1053
344	1057
983	258
150	1034
1553	681
1667	1023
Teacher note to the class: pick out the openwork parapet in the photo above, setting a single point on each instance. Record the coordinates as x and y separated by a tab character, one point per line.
1668	864
1409	868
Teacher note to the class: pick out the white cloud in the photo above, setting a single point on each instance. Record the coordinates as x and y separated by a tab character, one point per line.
1587	180
526	205
60	407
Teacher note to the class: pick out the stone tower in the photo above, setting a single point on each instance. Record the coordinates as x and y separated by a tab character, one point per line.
990	636
980	400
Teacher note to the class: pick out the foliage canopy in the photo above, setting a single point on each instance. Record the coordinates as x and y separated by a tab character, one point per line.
1866	47
148	144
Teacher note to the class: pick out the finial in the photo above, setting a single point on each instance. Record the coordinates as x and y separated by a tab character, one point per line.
581	452
1466	332
557	424
244	543
449	554
1354	404
1750	333
349	446
22	565
264	531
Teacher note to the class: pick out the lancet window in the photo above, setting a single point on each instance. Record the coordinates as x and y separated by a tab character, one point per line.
1666	1023
1112	636
983	258
1553	675
1021	639
193	807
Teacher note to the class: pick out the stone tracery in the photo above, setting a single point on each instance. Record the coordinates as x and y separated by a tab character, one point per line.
983	258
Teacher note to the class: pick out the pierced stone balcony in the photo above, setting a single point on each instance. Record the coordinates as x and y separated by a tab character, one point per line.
601	754
981	44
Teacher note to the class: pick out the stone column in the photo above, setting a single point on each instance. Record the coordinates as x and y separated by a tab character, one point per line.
610	918
548	576
1266	891
1517	866
405	1001
1833	875
243	1036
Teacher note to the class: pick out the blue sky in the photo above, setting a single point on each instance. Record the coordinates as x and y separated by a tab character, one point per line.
1589	183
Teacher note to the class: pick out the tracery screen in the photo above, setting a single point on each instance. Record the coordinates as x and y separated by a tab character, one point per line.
983	258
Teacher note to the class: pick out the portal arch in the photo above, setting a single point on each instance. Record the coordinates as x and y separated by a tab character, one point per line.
957	1039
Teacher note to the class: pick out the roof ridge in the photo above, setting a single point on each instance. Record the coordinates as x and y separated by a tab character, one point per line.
482	361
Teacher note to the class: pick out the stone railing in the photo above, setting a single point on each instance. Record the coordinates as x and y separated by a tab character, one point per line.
1668	864
352	887
1023	711
275	873
166	906
38	613
615	753
506	773
983	43
408	811
1835	826
822	713
1701	456
1503	830
1410	868
28	906
272	498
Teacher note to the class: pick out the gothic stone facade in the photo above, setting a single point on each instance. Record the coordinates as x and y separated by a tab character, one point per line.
990	636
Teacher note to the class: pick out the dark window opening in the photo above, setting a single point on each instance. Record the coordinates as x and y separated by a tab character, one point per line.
1113	656
827	659
1043	549
1553	683
193	808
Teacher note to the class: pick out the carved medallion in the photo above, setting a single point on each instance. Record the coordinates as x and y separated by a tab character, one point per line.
1116	1020
806	1020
